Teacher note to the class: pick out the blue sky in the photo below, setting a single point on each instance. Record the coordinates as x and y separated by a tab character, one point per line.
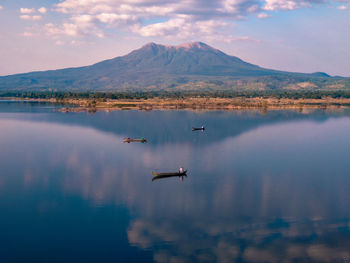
293	35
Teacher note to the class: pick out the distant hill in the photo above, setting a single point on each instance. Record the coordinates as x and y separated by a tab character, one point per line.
192	66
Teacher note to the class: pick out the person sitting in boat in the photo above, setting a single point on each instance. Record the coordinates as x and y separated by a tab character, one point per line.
181	171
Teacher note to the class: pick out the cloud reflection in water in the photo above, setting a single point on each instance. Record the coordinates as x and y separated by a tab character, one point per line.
276	193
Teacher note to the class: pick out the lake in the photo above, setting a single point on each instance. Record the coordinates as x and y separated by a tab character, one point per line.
261	187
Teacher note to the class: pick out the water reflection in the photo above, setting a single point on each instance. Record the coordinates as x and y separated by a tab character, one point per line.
158	177
282	240
276	191
161	127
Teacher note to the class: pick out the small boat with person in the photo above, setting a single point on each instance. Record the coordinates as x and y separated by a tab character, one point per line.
181	173
129	140
198	129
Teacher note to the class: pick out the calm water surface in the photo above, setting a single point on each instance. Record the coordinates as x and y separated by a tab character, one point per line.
260	188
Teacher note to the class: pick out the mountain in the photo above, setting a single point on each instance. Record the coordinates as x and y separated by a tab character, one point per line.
189	66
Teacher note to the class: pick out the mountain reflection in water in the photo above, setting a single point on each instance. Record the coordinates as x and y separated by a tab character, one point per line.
263	188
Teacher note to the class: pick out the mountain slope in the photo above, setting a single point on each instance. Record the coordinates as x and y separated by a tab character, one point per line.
193	65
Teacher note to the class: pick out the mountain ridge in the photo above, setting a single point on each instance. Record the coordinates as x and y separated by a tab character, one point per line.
193	65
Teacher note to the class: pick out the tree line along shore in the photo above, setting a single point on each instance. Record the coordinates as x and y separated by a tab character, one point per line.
216	100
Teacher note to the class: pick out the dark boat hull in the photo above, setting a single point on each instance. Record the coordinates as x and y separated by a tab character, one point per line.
135	140
166	175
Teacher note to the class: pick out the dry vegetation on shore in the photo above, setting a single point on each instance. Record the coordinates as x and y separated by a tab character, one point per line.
195	103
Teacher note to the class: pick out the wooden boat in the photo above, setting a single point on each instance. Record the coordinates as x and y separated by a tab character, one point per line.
166	175
129	140
198	129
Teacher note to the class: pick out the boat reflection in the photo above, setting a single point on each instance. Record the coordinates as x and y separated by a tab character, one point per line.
181	173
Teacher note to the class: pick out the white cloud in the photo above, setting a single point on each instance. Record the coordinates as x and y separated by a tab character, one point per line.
181	18
161	29
86	6
66	29
144	8
27	10
81	26
277	5
42	10
111	18
238	8
150	18
342	7
37	17
84	25
263	15
33	18
77	43
70	29
27	34
181	27
1	7
83	19
59	43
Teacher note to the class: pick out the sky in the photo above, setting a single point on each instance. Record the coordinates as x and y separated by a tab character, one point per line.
293	35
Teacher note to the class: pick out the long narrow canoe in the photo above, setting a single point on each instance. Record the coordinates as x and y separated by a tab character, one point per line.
134	140
166	175
198	129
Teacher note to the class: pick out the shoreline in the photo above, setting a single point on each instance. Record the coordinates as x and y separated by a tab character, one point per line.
192	103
